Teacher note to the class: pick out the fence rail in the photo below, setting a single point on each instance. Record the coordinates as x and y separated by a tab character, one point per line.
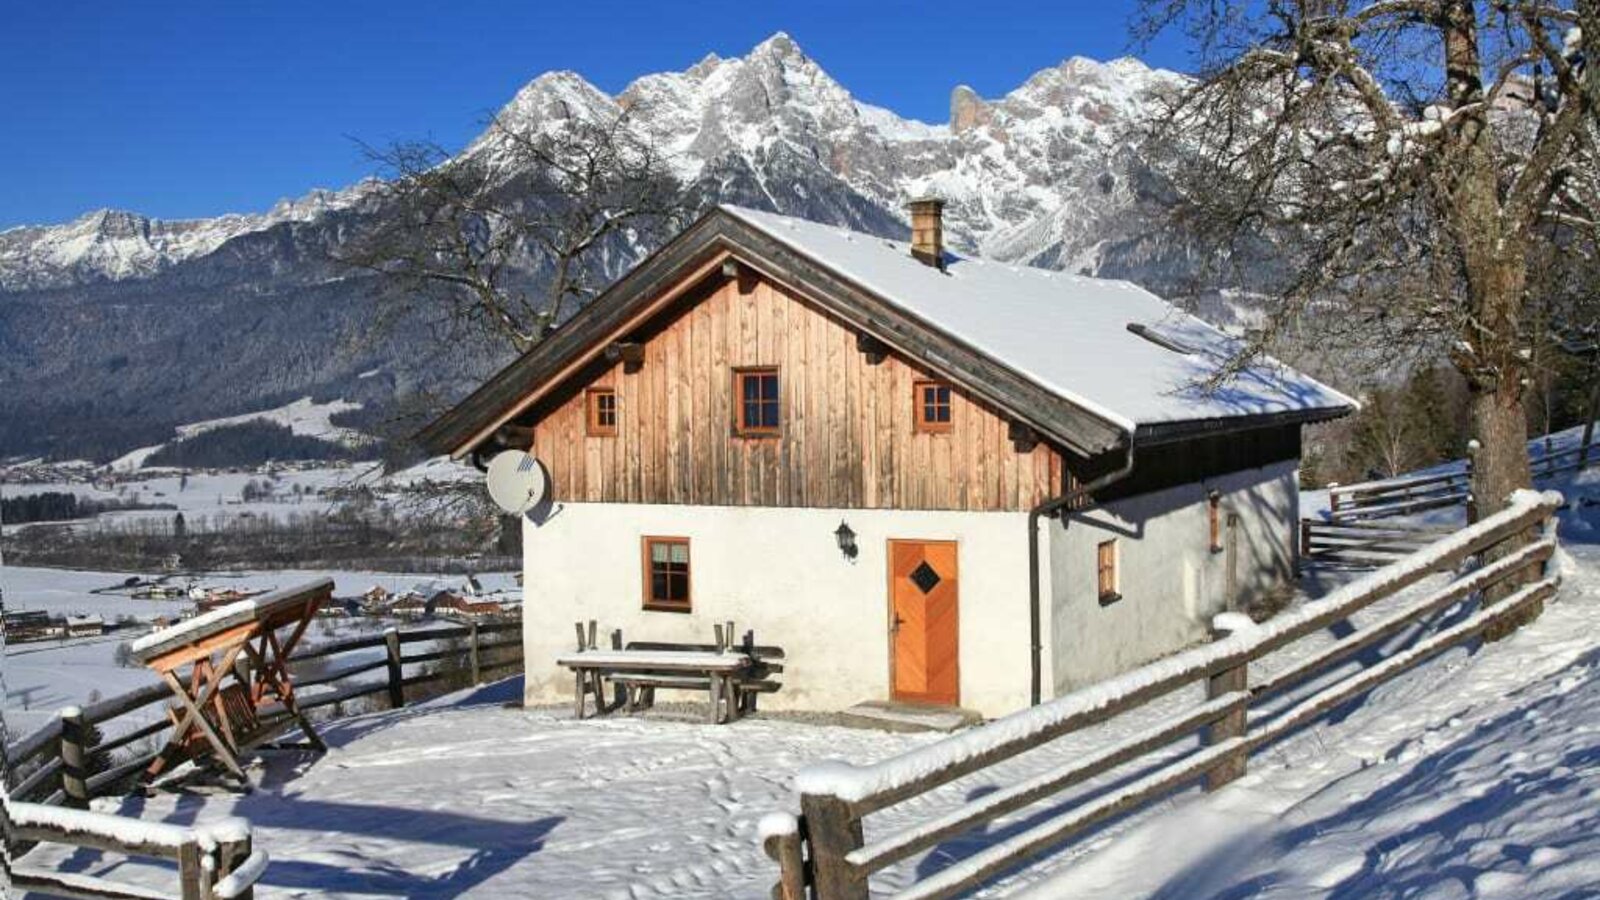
823	854
52	767
214	862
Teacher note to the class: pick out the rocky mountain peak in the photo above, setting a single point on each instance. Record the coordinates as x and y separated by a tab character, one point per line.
967	110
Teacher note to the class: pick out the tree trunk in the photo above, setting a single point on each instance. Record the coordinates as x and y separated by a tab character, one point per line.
1500	426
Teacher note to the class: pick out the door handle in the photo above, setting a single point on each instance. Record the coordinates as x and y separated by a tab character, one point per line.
897	623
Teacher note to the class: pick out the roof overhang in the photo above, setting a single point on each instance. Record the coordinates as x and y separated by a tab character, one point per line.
489	414
1152	433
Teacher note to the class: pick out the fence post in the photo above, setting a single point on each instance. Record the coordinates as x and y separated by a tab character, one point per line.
234	846
397	694
74	758
190	871
1230	726
472	654
1472	465
784	848
833	831
1333	499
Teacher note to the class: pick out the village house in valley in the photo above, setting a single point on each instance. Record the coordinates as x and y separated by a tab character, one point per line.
928	478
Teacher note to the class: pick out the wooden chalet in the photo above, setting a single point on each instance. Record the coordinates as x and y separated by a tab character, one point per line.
929	478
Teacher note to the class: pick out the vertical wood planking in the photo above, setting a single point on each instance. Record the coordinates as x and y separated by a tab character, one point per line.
848	432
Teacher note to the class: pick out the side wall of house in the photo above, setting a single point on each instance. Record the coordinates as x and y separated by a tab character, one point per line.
1170	580
780	573
847	438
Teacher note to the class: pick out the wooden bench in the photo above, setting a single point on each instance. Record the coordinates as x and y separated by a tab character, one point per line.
761	677
732	674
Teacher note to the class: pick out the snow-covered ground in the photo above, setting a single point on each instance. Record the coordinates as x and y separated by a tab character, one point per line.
1473	776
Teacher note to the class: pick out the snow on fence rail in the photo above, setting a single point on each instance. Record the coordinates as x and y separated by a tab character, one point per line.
823	853
214	861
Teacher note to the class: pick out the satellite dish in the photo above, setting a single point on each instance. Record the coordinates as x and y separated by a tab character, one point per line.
516	482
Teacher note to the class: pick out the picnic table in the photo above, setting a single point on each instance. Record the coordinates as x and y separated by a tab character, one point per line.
636	670
238	693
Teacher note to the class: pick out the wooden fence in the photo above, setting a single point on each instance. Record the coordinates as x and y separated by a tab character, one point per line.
1407	495
1398	496
822	853
214	862
52	767
1361	544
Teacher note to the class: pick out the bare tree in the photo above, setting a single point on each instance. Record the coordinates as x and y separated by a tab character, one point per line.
525	225
1410	158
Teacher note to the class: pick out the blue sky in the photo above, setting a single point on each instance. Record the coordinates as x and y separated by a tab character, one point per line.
181	109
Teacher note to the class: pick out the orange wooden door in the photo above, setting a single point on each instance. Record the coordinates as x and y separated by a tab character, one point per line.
923	608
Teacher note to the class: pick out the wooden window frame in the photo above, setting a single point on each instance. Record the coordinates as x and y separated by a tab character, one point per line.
591	406
739	428
651	604
1214	520
1108	562
919	407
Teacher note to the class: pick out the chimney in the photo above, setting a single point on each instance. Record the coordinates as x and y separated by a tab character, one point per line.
927	231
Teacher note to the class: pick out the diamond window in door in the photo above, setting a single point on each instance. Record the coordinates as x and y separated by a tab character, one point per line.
925	578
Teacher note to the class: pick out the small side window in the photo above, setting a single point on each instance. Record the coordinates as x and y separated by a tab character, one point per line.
666	574
1106	564
932	399
602	404
1214	516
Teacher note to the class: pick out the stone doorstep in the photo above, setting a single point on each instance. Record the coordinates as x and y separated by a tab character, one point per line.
892	716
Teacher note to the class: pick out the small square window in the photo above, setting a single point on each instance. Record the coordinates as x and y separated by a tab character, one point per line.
602	417
757	406
1106	567
932	399
666	574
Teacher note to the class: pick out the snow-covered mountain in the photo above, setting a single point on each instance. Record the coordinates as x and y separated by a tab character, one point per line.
112	244
1029	176
115	328
1025	175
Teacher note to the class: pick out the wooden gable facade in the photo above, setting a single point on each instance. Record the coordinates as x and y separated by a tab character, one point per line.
847	435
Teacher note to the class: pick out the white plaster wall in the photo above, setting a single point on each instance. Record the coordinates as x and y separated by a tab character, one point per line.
1171	581
779	572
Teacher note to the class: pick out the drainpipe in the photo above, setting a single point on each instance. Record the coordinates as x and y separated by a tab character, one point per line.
1051	508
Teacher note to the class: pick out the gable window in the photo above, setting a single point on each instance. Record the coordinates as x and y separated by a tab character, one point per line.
1106	565
666	574
602	404
933	405
756	405
1214	517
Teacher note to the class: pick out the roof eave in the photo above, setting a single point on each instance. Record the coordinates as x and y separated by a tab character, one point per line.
1150	433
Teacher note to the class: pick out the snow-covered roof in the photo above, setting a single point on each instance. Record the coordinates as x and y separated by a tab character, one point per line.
1069	334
